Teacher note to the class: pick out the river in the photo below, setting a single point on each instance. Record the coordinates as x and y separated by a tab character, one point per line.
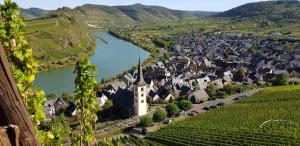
110	58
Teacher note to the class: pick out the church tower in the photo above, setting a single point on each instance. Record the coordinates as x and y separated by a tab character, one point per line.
140	93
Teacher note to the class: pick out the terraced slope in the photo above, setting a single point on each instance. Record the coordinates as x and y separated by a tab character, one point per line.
59	40
242	122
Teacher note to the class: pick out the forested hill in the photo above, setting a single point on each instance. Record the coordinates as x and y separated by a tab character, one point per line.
119	15
33	13
271	10
101	15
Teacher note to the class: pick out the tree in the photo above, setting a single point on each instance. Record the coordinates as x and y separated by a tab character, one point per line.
24	67
185	105
160	114
85	83
51	96
282	79
229	88
239	75
172	109
146	121
69	97
211	90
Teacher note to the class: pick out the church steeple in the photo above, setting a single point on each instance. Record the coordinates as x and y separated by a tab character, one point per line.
140	78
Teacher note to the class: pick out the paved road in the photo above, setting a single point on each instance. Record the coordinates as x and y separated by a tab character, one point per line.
228	100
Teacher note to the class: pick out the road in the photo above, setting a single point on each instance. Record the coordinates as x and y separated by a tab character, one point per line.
226	101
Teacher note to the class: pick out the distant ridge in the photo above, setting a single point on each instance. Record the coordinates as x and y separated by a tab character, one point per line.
119	15
33	13
271	10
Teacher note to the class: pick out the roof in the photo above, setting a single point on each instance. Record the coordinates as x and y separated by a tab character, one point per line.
199	95
118	84
140	78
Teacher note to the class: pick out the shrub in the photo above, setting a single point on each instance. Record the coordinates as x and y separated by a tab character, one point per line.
172	108
282	79
146	121
185	105
160	114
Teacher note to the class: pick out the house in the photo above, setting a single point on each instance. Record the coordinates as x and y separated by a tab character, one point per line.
102	99
71	109
54	107
203	82
60	105
118	84
128	79
297	54
198	96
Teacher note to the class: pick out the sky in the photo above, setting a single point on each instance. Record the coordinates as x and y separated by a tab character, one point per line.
199	5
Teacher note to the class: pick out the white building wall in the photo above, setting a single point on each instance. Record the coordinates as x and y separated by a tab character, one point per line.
140	101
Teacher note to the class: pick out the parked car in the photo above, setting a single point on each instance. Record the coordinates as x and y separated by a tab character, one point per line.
213	107
206	108
192	114
221	104
195	112
168	121
237	98
181	112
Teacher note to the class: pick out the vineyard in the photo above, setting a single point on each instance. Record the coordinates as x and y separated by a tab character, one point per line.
133	140
270	117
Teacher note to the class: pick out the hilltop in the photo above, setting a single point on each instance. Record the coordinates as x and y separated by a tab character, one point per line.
282	10
103	16
33	13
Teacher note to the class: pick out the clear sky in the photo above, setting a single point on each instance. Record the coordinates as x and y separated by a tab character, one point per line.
201	5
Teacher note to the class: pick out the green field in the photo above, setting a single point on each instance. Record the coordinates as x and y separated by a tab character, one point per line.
56	41
239	123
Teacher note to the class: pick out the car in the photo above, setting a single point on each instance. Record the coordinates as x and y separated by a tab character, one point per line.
206	108
213	107
181	112
168	121
221	104
195	112
192	114
237	98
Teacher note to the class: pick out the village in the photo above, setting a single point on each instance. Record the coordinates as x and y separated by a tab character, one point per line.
197	62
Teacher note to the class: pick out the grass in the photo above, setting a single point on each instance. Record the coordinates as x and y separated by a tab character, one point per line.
239	123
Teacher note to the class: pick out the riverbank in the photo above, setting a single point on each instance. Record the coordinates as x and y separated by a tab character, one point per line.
110	63
70	60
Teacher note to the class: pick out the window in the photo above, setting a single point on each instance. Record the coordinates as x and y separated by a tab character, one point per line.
142	95
135	100
142	101
142	89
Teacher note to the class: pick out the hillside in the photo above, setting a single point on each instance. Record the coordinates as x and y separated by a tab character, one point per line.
270	117
282	10
104	16
58	41
33	13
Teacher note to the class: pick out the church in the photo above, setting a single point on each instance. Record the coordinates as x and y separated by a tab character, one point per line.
132	101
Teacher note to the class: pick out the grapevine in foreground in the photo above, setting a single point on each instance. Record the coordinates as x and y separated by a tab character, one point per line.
85	83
